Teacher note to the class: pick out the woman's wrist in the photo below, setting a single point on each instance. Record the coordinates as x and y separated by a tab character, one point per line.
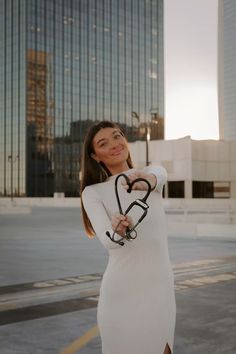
153	181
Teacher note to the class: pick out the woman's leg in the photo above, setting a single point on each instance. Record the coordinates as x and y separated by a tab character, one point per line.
167	349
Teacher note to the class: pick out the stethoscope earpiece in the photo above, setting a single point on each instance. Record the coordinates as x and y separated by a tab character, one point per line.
121	243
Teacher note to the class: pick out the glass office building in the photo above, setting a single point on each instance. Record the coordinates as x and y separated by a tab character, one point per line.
63	65
227	69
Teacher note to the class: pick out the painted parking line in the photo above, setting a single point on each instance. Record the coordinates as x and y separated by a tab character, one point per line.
22	302
9	316
82	341
53	283
204	281
185	268
69	280
179	285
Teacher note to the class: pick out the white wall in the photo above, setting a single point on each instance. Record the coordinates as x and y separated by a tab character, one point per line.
186	159
174	155
185	217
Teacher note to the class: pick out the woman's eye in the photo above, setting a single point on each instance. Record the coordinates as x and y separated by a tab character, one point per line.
102	145
117	136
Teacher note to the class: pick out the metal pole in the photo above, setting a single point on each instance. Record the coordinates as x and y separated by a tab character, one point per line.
147	131
147	135
10	160
147	152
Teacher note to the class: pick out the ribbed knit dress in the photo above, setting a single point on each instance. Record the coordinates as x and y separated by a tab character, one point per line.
136	309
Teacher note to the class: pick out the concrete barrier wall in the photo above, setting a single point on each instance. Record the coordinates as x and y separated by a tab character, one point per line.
185	217
41	202
219	211
198	230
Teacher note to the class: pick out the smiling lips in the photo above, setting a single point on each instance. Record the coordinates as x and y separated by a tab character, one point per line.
117	152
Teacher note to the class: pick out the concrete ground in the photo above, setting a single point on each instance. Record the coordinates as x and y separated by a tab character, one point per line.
49	283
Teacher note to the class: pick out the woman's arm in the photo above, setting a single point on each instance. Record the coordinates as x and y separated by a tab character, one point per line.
161	176
99	218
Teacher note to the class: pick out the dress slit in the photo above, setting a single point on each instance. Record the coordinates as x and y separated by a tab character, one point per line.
167	347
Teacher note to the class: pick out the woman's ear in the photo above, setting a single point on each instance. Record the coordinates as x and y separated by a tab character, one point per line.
95	157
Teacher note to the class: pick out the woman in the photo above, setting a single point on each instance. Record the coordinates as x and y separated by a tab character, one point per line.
136	309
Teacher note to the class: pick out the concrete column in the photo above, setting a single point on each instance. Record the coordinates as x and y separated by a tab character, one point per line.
233	189
188	188
166	190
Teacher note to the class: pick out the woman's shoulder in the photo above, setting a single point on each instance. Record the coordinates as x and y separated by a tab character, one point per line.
156	170
91	189
95	190
89	194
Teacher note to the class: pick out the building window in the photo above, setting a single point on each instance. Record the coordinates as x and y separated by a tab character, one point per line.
203	189
210	189
221	189
65	65
176	189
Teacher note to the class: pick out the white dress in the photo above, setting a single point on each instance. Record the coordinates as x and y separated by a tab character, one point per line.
136	309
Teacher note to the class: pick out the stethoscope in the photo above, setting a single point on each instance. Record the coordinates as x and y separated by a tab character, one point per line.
131	233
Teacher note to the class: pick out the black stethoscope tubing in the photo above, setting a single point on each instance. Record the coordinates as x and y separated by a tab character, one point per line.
131	234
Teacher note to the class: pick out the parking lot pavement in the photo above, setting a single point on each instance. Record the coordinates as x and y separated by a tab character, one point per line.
56	316
50	275
50	243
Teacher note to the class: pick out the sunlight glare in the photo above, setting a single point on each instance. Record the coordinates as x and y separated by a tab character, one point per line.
192	111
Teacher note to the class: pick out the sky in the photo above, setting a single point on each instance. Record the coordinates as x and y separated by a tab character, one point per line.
190	47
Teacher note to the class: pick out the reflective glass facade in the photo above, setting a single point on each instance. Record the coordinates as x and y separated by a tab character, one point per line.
63	65
227	69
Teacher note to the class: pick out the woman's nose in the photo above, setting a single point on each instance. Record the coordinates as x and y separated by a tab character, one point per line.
113	144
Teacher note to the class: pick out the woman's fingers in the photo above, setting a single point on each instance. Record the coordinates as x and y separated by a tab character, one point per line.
130	221
131	177
140	185
119	223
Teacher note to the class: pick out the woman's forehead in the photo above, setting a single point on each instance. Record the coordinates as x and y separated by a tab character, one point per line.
105	133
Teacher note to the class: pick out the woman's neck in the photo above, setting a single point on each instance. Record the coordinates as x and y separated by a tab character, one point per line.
119	169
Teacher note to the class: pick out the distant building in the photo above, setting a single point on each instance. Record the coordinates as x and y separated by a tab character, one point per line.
196	168
227	69
63	66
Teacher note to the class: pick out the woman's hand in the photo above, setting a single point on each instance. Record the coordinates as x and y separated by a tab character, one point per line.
119	223
142	186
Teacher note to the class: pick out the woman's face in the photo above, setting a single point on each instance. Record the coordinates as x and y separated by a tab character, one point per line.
111	148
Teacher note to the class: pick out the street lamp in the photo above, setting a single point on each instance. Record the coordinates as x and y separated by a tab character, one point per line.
147	134
12	161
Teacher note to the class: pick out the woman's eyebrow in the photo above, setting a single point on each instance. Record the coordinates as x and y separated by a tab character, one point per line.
100	140
104	139
115	131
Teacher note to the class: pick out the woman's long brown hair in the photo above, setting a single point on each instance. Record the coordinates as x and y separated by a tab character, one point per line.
92	171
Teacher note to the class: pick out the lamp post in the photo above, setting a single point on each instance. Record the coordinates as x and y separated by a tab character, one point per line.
9	159
148	137
12	161
147	134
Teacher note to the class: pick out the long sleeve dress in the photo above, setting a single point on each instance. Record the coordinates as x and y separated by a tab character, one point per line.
136	308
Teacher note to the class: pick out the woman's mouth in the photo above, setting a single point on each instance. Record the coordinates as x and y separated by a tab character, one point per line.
117	152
